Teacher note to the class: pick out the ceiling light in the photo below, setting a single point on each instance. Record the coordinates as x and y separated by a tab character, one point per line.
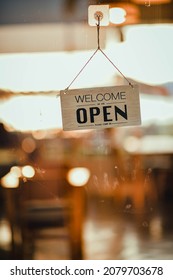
124	12
117	15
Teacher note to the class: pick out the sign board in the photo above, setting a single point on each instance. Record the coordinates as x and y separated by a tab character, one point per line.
102	107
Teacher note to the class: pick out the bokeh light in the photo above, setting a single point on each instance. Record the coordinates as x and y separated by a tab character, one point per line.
78	176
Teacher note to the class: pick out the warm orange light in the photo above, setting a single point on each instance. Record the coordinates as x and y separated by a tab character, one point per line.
78	176
5	234
10	181
28	145
151	2
16	171
28	171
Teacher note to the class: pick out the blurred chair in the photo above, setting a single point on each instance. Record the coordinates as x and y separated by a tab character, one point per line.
46	209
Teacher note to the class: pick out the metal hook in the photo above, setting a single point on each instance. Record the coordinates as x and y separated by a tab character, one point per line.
98	16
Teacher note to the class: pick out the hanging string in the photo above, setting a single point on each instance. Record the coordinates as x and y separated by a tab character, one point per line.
98	32
99	17
82	69
116	67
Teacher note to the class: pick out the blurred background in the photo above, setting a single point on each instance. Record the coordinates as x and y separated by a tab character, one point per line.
91	194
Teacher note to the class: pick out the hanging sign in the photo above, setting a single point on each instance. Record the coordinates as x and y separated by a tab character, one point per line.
102	107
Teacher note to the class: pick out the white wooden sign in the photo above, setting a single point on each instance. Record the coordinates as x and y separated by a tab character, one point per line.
102	107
